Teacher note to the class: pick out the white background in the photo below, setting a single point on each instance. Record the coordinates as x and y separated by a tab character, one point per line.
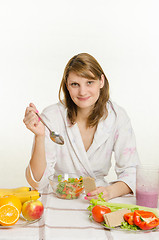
37	38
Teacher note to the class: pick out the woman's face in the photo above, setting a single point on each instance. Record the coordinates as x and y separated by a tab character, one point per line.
84	92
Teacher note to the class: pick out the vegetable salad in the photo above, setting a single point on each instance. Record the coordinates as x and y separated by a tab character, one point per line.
69	189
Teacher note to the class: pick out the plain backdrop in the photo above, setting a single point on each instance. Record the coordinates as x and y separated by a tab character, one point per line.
37	38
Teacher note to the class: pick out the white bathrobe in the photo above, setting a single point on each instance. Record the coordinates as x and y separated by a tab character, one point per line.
114	134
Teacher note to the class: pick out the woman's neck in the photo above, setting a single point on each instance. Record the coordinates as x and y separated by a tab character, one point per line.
82	115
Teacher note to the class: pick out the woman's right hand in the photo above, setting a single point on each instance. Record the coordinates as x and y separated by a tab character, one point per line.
32	122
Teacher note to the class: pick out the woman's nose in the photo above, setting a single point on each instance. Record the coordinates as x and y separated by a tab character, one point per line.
82	90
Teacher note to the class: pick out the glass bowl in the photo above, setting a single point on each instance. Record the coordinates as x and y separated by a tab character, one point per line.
66	186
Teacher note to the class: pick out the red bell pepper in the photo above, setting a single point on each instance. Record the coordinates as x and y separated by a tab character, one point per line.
145	220
129	218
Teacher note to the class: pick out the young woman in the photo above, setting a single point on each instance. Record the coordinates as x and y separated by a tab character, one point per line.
93	127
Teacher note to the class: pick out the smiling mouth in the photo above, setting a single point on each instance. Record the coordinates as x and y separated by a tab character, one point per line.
83	99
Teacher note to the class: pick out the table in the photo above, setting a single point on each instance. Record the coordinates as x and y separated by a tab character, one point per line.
68	219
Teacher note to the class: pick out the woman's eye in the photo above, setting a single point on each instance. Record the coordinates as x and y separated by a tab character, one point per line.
90	82
74	84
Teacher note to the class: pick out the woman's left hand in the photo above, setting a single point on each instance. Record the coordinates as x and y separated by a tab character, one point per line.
116	189
94	194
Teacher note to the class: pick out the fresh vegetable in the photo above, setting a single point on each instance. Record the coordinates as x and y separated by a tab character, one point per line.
127	226
98	212
116	206
145	220
69	189
140	222
129	217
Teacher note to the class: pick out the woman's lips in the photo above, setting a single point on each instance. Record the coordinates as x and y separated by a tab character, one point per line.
83	99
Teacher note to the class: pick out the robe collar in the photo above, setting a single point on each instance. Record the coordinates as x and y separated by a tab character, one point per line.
102	133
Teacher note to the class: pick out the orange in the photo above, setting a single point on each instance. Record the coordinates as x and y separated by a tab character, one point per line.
9	215
11	200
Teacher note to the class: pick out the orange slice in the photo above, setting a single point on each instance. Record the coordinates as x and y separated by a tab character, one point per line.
9	215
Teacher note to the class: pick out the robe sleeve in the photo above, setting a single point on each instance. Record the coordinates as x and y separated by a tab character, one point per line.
126	156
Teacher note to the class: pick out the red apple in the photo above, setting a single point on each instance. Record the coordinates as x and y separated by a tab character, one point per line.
32	210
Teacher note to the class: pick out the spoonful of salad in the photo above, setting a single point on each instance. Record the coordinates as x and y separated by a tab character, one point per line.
55	137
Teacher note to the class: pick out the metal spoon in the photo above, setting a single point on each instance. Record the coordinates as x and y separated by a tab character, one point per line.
55	137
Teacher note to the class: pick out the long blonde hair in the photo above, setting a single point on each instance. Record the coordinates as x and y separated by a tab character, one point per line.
85	65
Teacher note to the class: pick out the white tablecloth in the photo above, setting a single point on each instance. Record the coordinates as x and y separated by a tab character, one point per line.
68	219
